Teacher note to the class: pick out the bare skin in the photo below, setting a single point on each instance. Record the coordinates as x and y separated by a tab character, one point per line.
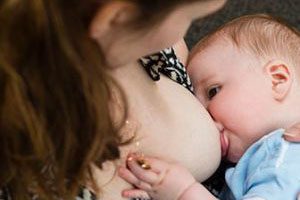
168	180
293	134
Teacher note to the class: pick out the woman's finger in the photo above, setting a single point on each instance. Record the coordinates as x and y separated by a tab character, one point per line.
132	179
127	175
135	193
156	164
145	175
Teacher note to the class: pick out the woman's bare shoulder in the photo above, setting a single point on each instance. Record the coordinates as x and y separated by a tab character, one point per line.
181	51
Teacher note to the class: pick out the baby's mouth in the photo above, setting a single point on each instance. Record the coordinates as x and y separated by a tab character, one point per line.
224	143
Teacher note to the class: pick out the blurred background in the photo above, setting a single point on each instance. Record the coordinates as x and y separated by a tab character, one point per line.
288	10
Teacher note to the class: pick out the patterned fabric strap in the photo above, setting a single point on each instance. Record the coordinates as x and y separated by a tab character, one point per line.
167	63
4	194
86	194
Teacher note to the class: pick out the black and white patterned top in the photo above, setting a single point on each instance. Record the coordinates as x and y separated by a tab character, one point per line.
166	62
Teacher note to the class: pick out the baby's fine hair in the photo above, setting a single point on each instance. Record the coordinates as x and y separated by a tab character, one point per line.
260	35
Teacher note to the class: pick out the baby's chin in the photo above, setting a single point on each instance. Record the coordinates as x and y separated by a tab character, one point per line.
234	157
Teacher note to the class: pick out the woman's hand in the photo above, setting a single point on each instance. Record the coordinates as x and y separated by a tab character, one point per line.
155	178
292	134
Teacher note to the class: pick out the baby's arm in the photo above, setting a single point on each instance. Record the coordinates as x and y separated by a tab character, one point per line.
161	180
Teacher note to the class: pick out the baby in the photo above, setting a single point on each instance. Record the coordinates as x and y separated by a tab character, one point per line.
247	75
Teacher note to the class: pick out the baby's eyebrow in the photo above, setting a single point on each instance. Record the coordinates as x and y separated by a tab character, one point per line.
203	80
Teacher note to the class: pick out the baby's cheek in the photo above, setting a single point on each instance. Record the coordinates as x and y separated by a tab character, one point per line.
219	109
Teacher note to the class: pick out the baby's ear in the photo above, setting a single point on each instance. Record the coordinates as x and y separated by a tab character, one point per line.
280	75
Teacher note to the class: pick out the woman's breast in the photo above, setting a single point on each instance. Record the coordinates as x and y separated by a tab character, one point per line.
174	125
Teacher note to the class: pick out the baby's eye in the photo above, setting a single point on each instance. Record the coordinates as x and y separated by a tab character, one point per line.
212	91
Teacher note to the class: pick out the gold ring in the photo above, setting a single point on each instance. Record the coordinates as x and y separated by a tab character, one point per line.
142	162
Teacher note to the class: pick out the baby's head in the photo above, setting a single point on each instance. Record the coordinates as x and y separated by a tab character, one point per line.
247	76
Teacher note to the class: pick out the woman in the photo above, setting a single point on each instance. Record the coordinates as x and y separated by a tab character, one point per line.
67	68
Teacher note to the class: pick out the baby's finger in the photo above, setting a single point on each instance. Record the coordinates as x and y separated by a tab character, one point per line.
135	193
132	179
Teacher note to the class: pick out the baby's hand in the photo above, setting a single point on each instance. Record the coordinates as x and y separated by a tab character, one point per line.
155	178
292	134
